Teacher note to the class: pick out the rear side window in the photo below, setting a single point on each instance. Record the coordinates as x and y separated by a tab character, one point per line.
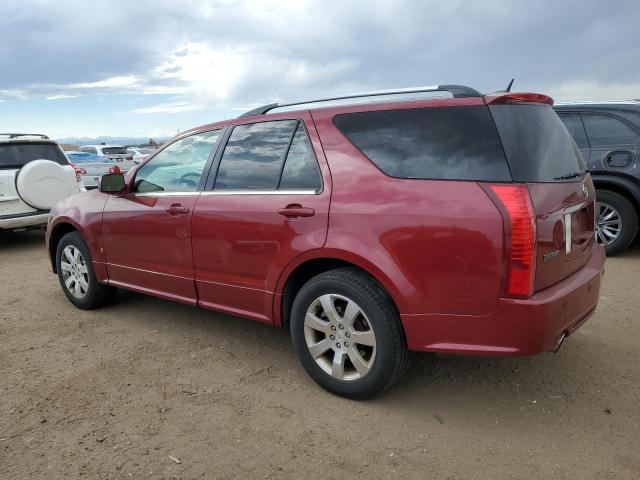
17	155
451	143
300	169
604	130
576	129
114	151
254	158
538	146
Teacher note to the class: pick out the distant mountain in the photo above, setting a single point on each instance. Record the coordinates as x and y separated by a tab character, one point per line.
113	140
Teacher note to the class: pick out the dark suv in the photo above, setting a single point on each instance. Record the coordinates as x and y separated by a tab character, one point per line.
608	135
368	228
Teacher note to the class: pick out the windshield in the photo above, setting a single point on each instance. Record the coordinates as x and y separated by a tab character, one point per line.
114	151
84	157
537	144
17	155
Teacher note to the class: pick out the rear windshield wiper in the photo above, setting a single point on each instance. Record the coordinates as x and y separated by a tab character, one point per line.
567	176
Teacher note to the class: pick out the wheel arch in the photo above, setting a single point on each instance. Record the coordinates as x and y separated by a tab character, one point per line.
627	188
59	230
304	268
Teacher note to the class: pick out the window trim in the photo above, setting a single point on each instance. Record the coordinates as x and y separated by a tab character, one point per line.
205	169
209	186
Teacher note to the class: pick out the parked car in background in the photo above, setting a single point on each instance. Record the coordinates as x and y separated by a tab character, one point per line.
368	228
117	153
139	154
91	167
34	175
608	135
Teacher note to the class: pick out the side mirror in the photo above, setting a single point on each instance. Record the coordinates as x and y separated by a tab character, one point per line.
112	183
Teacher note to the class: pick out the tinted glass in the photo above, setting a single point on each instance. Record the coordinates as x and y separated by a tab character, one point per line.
17	155
300	169
114	151
455	143
538	146
86	157
253	156
604	130
576	129
178	167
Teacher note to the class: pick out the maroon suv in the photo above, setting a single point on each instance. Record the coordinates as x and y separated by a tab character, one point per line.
369	225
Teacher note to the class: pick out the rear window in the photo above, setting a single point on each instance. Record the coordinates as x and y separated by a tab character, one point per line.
17	155
538	146
114	151
450	143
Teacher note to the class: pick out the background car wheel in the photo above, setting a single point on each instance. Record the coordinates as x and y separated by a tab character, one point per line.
76	274
347	334
616	221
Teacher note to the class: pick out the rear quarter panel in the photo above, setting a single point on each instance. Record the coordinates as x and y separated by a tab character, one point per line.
438	243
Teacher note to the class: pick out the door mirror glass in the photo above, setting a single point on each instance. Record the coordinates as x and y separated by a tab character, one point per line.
112	183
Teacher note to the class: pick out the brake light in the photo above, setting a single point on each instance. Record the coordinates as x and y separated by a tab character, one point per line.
520	245
114	169
79	172
518	97
129	158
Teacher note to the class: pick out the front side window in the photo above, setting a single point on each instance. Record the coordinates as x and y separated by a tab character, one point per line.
179	167
604	130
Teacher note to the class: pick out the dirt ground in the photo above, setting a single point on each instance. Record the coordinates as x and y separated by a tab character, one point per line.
151	389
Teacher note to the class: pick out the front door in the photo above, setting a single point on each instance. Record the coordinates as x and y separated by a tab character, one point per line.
268	204
147	232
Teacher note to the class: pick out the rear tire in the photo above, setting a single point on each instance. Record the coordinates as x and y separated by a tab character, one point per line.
347	334
76	275
624	209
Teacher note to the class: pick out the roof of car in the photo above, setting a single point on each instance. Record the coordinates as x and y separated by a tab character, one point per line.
24	138
626	105
102	146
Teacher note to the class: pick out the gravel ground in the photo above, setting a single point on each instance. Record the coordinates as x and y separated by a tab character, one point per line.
146	388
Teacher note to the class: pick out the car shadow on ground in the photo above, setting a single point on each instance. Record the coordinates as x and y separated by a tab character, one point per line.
10	241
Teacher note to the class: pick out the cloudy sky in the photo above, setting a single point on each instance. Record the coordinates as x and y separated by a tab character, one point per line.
152	68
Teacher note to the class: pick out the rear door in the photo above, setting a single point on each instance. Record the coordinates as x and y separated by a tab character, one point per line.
542	154
147	232
614	142
266	203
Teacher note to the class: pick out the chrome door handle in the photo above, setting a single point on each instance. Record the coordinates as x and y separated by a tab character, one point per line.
176	209
296	211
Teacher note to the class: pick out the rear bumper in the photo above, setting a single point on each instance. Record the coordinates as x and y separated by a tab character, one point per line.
516	327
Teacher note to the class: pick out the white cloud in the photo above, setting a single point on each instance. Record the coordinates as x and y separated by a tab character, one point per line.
113	82
59	96
594	91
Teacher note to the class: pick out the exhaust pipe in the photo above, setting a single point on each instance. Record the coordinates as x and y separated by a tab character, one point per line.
562	337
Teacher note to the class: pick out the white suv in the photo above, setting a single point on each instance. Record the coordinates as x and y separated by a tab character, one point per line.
119	154
34	175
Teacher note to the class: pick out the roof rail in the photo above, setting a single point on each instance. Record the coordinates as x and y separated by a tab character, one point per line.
458	91
17	135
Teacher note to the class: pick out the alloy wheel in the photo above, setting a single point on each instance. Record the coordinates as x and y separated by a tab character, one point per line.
608	224
74	271
339	337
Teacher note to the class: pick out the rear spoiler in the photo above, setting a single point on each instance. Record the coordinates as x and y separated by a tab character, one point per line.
504	98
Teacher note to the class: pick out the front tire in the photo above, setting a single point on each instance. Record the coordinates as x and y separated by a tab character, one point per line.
347	334
76	275
616	221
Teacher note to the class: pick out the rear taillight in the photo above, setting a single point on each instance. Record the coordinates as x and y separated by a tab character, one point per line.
79	172
520	247
129	158
114	169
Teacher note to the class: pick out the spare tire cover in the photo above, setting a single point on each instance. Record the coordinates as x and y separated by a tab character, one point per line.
41	183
